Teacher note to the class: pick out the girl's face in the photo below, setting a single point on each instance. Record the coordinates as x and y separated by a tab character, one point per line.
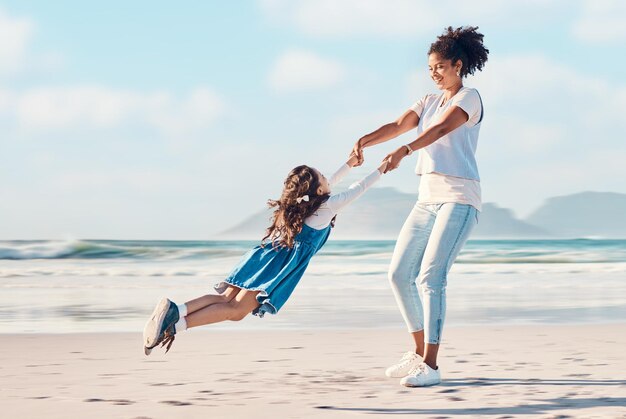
443	72
324	187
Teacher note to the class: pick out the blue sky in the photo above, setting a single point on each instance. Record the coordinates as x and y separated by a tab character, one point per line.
147	120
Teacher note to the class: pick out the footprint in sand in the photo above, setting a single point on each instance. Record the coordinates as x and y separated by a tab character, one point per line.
120	402
175	403
166	384
42	365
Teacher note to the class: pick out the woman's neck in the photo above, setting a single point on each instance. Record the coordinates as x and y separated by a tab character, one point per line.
451	91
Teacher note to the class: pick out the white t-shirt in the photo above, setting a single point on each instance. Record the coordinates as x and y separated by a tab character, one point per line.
448	167
325	213
436	188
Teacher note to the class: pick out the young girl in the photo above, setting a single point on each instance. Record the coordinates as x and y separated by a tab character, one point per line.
267	275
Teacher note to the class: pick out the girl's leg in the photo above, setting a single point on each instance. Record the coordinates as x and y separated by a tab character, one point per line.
236	309
207	300
451	230
404	269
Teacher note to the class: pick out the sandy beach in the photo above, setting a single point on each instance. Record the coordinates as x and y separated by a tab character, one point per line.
493	371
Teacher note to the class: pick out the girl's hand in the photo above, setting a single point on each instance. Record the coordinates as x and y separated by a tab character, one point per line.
383	166
357	150
353	160
395	158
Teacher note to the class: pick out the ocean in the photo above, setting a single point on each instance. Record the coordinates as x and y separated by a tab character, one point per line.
79	286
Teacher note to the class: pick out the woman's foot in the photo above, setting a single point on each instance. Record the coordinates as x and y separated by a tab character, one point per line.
409	361
160	327
422	376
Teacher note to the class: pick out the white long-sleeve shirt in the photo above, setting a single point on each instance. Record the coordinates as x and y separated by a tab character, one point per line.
325	213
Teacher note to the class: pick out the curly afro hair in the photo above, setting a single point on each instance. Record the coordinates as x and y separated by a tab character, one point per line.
464	44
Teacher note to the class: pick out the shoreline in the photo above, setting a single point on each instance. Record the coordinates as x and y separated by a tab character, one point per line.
545	371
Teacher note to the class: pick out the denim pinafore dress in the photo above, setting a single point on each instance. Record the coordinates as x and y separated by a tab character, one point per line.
275	272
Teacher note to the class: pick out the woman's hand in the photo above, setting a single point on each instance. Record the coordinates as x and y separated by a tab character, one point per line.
357	151
394	159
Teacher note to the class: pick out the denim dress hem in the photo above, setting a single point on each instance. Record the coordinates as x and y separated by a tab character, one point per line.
266	305
275	272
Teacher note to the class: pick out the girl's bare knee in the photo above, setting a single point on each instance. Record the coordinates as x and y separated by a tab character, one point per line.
235	311
238	315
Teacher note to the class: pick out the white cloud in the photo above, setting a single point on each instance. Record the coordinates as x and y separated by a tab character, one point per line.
144	181
68	107
15	34
173	116
535	83
601	21
5	100
397	18
299	70
521	136
331	18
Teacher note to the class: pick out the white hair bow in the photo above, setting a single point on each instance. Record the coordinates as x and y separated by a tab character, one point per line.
302	198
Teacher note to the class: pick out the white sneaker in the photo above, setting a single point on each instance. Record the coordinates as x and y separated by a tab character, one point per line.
408	361
155	325
422	376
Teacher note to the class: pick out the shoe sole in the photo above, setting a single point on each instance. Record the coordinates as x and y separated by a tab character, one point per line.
153	326
415	386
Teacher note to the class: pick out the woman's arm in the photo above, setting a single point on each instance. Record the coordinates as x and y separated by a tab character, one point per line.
407	121
450	120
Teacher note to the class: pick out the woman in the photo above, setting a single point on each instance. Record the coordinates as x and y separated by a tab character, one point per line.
449	197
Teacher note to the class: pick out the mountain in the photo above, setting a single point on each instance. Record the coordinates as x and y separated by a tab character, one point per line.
495	222
585	214
379	215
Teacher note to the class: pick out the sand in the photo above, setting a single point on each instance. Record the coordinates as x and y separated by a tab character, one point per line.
488	371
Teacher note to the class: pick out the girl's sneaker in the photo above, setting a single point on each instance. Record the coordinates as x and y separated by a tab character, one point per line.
160	328
408	361
422	376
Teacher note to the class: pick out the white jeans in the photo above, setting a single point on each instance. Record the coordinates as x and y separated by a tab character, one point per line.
430	240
